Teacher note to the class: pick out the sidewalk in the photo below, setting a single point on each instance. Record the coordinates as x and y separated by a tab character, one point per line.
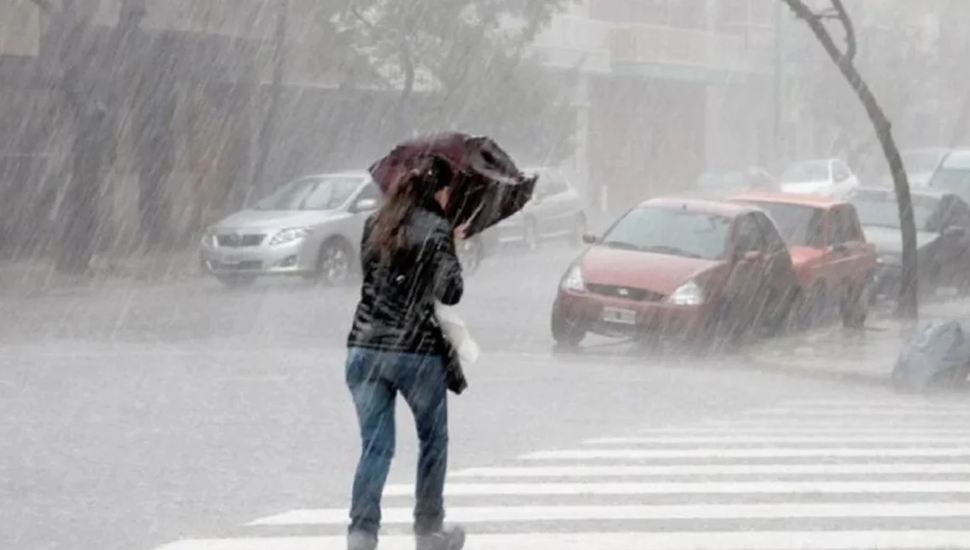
38	276
866	356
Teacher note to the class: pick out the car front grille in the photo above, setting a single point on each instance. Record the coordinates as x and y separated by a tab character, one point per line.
238	241
627	293
249	265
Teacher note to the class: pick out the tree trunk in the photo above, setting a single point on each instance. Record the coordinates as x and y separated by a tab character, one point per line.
266	133
82	213
908	294
82	90
402	109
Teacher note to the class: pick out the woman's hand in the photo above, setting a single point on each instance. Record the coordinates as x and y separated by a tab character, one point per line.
460	232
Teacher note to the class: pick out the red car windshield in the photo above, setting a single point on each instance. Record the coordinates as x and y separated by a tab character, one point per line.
669	231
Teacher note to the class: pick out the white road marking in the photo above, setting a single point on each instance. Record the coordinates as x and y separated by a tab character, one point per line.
862	468
521	514
961	414
780	430
903	402
956	438
720	452
902	423
929	437
767	540
695	488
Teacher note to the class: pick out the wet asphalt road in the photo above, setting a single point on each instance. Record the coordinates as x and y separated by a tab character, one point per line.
137	416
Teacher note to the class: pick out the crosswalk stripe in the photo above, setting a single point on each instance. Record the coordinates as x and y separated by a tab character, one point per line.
753	439
862	468
904	424
764	540
792	412
782	430
694	488
808	466
721	452
903	402
520	514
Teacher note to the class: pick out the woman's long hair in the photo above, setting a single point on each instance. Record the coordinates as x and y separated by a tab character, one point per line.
417	187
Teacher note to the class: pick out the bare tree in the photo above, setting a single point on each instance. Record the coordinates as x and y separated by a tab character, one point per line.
844	59
79	75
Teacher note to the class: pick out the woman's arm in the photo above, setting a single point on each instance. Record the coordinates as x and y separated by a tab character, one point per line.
448	284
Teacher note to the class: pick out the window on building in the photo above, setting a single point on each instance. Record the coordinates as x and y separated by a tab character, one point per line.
732	16
687	14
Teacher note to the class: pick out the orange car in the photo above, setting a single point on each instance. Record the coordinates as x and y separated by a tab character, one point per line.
833	261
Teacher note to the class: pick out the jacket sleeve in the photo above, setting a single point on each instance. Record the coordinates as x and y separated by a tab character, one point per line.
365	240
448	284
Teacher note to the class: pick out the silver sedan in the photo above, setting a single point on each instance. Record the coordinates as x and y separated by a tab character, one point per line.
310	227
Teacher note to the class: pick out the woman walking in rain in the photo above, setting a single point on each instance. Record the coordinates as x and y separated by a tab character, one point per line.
408	261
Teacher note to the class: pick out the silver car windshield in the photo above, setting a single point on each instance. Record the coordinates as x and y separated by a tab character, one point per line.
880	209
312	193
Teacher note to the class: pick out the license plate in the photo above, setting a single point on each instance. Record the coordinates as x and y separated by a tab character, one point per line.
232	260
619	315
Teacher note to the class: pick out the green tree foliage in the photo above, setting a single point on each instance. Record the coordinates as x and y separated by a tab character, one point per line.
467	64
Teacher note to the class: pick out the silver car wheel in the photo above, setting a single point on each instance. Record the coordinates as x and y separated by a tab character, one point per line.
334	265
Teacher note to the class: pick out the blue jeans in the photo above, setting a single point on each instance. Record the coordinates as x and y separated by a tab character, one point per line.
375	378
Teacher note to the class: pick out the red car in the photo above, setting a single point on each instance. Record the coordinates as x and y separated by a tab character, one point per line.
685	269
833	261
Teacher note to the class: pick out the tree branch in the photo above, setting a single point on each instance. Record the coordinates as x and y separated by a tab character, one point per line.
850	38
814	20
44	5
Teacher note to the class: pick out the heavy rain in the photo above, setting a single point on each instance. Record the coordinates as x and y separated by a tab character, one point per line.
644	274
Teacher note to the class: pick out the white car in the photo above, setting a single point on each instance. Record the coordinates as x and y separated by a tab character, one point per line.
819	177
953	174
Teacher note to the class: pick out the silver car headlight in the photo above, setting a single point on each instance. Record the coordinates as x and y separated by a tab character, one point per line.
209	238
573	281
289	235
687	294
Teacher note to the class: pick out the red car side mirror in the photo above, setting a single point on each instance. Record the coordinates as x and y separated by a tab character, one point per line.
589	238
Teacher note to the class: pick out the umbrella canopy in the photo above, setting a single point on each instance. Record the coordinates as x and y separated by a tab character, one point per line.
488	188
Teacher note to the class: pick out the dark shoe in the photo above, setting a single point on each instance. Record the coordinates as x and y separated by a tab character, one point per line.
361	541
449	538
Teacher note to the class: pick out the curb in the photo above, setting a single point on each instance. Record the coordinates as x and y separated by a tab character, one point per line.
782	356
40	279
793	369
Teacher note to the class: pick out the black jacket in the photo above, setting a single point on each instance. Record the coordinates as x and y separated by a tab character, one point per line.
396	308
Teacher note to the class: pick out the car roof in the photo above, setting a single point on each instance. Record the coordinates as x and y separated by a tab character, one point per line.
914	192
818	201
726	209
961	157
937	150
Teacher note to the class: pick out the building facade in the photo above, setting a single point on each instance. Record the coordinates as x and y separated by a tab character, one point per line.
671	88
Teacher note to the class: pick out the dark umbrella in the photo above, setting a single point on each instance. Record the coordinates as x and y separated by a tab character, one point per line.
489	186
